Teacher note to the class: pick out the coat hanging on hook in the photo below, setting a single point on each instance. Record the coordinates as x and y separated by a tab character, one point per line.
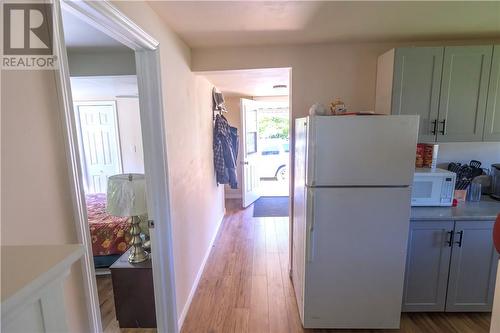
225	144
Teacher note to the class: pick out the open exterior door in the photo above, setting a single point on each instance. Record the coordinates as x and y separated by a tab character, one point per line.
251	178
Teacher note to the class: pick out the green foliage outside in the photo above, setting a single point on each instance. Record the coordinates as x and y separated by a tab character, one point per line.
272	127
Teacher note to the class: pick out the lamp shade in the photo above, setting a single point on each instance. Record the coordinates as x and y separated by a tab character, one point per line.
127	195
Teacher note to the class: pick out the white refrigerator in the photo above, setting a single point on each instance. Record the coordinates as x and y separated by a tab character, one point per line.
351	209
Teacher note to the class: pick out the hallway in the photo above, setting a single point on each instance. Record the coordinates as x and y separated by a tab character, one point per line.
245	286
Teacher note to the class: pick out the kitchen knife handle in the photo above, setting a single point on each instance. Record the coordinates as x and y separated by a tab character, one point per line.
449	242
434	126
461	233
443	130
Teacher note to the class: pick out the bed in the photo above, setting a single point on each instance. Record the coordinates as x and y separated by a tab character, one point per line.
110	234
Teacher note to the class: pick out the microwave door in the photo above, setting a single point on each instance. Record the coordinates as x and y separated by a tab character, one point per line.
426	191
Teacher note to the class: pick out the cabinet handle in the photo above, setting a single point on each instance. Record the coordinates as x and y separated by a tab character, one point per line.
461	233
449	242
443	131
434	126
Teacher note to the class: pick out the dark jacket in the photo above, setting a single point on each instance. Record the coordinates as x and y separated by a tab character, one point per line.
225	151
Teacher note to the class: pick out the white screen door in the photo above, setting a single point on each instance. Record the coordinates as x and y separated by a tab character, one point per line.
251	177
100	143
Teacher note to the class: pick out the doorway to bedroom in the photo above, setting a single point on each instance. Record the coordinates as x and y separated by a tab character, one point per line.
109	134
107	116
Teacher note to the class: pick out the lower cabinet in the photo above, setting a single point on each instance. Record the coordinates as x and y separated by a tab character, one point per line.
427	266
451	266
473	267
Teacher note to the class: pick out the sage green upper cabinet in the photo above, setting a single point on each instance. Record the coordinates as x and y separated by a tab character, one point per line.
464	88
492	121
417	79
408	82
454	89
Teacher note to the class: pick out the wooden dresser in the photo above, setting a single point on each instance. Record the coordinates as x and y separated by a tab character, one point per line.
134	293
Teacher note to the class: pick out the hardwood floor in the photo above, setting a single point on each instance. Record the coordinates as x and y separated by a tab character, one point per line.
245	286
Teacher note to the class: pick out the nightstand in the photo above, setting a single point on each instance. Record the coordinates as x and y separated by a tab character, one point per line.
134	293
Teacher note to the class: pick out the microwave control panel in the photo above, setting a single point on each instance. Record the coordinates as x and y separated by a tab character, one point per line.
447	190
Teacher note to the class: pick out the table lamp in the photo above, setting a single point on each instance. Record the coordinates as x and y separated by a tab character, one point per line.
127	197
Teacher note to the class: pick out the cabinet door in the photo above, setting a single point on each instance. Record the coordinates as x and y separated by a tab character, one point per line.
416	84
473	267
464	87
492	122
427	265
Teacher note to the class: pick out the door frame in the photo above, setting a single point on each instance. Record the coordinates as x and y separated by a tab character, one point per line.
108	19
79	134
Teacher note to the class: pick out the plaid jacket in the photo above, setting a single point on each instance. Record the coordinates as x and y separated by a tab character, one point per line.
225	151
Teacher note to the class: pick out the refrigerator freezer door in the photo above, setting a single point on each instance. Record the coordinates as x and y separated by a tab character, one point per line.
355	257
361	150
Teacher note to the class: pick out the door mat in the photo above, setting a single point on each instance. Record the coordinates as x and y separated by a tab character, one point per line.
271	207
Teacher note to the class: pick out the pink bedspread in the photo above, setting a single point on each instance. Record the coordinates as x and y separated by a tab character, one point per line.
110	234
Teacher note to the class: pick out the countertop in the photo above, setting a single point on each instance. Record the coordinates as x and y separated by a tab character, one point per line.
485	210
24	267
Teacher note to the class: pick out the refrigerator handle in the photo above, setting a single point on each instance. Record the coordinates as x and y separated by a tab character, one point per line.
311	234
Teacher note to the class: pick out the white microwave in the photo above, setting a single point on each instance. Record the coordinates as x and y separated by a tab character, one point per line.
432	187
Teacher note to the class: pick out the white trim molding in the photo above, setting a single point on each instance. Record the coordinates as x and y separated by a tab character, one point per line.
38	303
107	18
75	173
156	170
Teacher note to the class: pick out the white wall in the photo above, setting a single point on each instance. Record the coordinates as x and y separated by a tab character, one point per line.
197	202
129	130
92	62
107	88
487	153
36	195
322	72
129	127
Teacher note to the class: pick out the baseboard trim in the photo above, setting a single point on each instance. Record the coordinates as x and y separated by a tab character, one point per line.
185	310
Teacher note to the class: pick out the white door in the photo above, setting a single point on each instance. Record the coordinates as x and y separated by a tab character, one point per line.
100	144
251	177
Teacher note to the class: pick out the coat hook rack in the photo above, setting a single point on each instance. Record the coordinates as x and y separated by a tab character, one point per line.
218	102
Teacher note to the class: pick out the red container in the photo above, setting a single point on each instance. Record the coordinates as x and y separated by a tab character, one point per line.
496	234
419	160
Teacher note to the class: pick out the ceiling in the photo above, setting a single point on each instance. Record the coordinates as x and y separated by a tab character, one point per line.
103	87
250	82
237	23
81	35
